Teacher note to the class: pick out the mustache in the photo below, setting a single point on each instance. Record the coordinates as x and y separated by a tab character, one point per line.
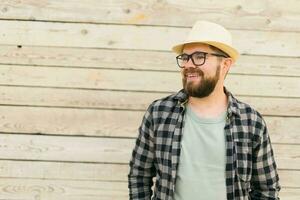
193	70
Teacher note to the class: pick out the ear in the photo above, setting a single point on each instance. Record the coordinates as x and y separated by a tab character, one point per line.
226	64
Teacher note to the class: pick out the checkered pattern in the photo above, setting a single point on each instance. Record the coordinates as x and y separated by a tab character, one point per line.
250	166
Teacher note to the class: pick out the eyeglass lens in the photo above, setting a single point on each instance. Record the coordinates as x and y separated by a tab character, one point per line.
198	58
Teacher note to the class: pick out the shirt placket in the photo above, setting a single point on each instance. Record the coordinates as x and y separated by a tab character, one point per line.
176	143
229	157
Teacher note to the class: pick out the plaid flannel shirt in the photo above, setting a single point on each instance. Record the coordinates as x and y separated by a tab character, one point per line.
250	166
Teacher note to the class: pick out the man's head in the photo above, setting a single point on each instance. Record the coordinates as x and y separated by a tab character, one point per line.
205	58
212	34
203	68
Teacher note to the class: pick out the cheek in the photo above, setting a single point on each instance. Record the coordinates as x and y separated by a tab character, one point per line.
182	72
210	71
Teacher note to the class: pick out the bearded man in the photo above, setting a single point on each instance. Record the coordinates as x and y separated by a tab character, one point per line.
202	143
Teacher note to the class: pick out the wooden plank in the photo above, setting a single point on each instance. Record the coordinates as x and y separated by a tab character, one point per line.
289	178
76	98
94	172
274	106
111	123
108	123
140	60
130	80
72	149
283	160
104	150
279	15
138	37
63	170
266	65
33	189
278	127
289	193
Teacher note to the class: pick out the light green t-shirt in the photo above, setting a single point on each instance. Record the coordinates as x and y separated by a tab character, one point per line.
201	169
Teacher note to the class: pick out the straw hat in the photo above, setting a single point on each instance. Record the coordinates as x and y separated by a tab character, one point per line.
211	34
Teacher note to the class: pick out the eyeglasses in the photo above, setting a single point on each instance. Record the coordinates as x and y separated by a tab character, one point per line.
198	58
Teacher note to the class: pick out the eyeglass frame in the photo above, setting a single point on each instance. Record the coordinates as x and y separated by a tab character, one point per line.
205	56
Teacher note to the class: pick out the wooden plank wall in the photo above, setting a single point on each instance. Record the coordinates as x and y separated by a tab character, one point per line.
76	77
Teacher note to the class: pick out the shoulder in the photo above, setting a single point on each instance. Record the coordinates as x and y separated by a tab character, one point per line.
247	111
168	103
249	116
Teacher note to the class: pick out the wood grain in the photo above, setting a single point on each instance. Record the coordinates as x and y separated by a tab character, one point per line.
94	172
262	15
139	80
108	123
125	100
57	148
63	170
30	33
32	189
136	60
103	150
76	77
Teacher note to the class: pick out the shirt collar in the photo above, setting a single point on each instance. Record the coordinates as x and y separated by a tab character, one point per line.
233	103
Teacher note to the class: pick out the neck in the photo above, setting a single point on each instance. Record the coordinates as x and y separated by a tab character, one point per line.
210	106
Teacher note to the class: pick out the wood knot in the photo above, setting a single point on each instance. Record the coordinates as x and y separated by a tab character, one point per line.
84	31
127	10
5	9
239	7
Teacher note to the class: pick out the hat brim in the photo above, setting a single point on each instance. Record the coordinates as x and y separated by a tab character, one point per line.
233	53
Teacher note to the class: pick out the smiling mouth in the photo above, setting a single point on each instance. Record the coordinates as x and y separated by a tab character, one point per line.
192	76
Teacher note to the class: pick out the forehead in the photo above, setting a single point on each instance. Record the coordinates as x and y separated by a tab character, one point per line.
192	47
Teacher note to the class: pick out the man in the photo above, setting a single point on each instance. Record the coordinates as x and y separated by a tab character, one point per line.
202	143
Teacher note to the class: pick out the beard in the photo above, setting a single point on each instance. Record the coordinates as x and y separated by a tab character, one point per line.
202	88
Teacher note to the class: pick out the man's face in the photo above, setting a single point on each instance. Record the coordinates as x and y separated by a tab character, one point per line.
200	81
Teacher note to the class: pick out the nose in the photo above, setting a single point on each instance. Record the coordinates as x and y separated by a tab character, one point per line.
190	64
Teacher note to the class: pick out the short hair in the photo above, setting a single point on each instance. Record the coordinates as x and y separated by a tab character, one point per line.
219	51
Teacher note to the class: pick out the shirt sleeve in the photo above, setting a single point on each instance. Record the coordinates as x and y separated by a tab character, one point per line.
141	164
265	179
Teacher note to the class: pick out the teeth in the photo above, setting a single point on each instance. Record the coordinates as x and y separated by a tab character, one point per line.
192	75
